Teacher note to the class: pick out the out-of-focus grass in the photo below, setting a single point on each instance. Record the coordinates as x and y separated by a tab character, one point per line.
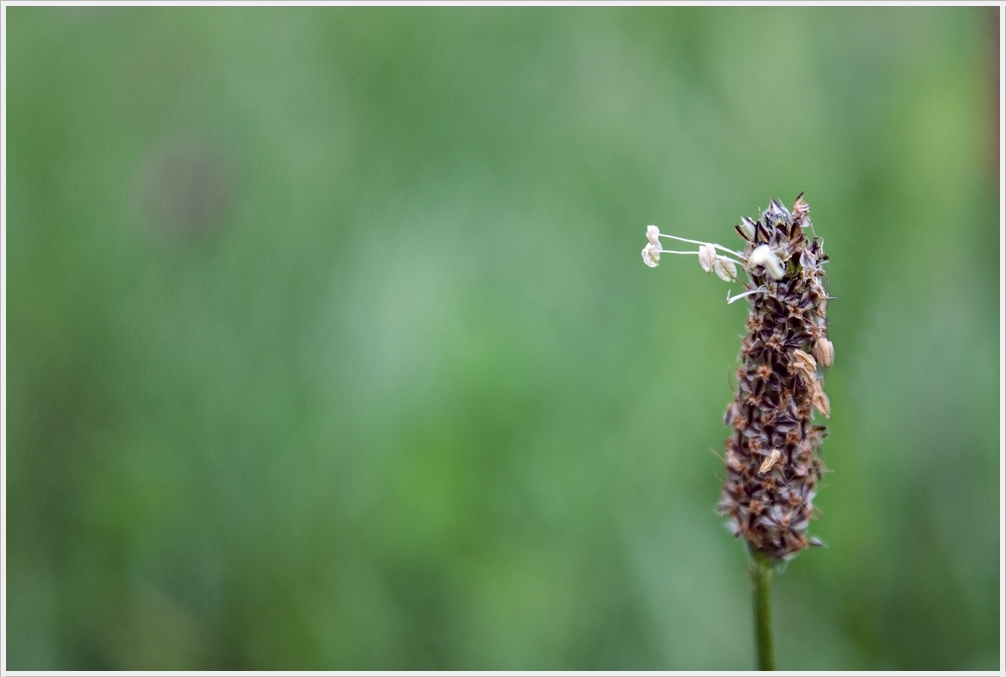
329	345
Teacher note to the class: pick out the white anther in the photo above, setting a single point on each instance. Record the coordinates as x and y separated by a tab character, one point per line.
651	255
653	235
725	268
825	350
707	257
764	256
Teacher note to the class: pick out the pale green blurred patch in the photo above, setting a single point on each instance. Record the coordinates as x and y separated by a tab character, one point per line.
329	344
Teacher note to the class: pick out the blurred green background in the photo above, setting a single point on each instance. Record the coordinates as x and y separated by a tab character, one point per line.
330	346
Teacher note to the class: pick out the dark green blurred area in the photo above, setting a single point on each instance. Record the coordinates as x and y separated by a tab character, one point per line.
330	346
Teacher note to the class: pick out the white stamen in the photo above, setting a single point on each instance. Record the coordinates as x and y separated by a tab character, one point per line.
711	244
731	299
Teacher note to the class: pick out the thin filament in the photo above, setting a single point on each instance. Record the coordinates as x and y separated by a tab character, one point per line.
720	247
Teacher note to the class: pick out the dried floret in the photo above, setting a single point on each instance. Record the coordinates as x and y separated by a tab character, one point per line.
825	350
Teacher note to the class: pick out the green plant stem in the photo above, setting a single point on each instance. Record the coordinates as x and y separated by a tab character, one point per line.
761	574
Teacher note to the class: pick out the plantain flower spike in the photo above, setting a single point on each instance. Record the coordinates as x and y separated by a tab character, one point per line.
774	447
773	461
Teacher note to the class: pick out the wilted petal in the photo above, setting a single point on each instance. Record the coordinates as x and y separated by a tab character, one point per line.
776	212
821	401
804	364
800	208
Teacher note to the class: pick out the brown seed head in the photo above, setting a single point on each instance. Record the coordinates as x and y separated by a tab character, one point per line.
768	495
